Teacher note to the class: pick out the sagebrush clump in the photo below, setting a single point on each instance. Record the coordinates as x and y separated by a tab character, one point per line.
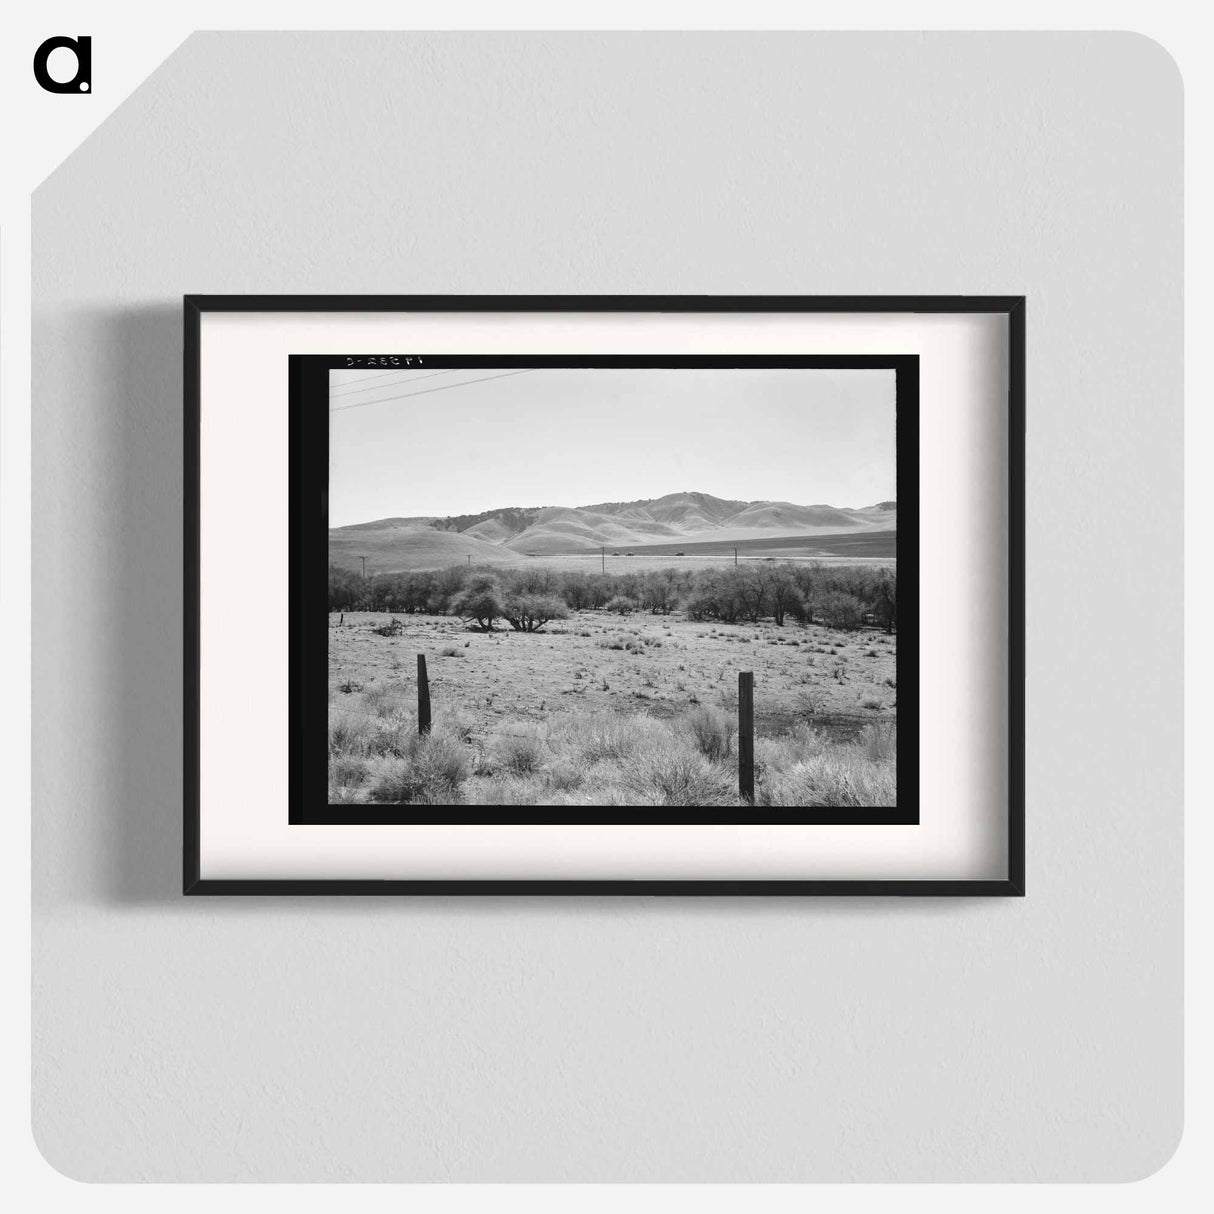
432	768
713	732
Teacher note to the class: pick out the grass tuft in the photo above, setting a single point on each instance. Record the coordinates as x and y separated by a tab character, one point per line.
673	775
712	731
519	754
430	772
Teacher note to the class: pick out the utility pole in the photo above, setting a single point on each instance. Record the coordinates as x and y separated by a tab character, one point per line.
735	558
603	554
364	561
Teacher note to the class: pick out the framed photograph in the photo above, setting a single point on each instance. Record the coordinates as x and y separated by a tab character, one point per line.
459	555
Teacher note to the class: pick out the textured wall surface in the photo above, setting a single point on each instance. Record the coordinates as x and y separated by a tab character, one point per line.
617	1040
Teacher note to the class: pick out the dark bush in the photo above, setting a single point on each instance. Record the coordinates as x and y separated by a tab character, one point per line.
481	602
621	604
530	612
838	609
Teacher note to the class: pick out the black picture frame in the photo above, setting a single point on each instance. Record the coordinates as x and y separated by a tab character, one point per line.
1011	307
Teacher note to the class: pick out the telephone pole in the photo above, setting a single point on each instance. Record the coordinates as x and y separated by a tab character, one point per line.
364	561
735	558
603	555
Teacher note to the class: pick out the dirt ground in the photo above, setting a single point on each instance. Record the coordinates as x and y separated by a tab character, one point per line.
836	681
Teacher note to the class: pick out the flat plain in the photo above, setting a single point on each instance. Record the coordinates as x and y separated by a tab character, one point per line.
608	709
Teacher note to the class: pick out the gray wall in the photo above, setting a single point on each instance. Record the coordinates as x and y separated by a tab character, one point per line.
617	1040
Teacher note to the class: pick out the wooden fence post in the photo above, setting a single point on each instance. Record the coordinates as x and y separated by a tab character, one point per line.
423	696
746	735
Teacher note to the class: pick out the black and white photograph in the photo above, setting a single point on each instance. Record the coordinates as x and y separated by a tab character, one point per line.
613	585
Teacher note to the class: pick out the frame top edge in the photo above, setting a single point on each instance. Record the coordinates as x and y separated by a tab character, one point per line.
605	303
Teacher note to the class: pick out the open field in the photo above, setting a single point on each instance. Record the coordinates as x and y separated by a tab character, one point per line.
872	544
416	552
602	709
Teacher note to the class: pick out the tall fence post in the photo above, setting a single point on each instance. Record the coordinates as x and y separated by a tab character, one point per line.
746	735
423	696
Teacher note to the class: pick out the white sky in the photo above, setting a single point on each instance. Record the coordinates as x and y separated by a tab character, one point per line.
561	437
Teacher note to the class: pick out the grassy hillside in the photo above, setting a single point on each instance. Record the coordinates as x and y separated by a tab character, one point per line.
786	517
405	552
697	524
390	550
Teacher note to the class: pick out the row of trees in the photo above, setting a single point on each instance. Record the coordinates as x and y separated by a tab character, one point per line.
528	598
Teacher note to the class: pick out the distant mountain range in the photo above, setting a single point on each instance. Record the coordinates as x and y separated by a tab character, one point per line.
495	536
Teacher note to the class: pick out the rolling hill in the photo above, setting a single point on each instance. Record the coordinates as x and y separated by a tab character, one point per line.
657	524
393	549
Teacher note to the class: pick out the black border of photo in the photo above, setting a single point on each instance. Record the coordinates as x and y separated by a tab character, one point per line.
309	599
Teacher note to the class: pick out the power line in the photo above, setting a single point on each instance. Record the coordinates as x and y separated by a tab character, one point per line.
378	375
407	380
362	404
350	383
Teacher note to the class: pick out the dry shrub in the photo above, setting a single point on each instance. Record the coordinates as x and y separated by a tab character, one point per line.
838	609
453	722
395	782
442	761
519	753
712	731
386	701
506	790
565	776
836	780
425	797
795	746
630	644
431	771
347	771
811	772
609	795
348	732
392	737
363	734
673	775
600	737
880	742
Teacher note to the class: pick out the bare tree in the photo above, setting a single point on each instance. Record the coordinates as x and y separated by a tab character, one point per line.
781	593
